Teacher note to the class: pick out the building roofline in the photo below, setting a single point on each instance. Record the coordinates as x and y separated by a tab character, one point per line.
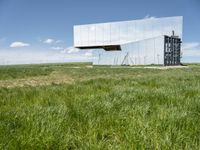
111	22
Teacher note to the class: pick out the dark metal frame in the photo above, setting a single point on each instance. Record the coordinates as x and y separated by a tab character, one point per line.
172	50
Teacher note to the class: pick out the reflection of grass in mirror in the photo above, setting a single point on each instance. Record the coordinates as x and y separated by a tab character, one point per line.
99	108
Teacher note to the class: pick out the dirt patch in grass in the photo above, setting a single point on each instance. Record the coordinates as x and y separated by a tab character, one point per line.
37	81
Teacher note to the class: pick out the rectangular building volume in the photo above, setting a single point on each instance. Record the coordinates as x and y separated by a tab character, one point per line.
149	41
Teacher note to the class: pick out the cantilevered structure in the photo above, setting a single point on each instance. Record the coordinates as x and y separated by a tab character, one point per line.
138	42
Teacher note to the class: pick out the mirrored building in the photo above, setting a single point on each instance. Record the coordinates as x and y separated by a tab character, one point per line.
138	42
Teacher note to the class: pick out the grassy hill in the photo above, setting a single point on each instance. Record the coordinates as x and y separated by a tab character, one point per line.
76	106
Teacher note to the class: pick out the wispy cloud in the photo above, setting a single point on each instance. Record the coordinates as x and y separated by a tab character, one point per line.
19	44
57	48
191	49
58	41
31	56
49	41
70	50
190	45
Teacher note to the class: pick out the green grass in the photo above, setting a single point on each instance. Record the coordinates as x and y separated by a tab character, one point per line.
15	72
101	108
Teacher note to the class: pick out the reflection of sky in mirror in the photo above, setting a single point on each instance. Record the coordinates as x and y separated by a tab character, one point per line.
125	32
149	51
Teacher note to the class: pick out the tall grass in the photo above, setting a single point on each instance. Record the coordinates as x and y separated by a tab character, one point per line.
105	108
15	72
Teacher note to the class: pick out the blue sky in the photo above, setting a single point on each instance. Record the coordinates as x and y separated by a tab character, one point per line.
42	30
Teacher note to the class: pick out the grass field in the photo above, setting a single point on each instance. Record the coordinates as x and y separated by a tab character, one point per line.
75	106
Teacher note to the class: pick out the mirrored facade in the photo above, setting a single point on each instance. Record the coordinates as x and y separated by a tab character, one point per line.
137	42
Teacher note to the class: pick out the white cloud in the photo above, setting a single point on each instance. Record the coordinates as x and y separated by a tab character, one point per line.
190	45
57	48
191	49
49	41
63	51
70	50
19	44
31	56
192	53
58	41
